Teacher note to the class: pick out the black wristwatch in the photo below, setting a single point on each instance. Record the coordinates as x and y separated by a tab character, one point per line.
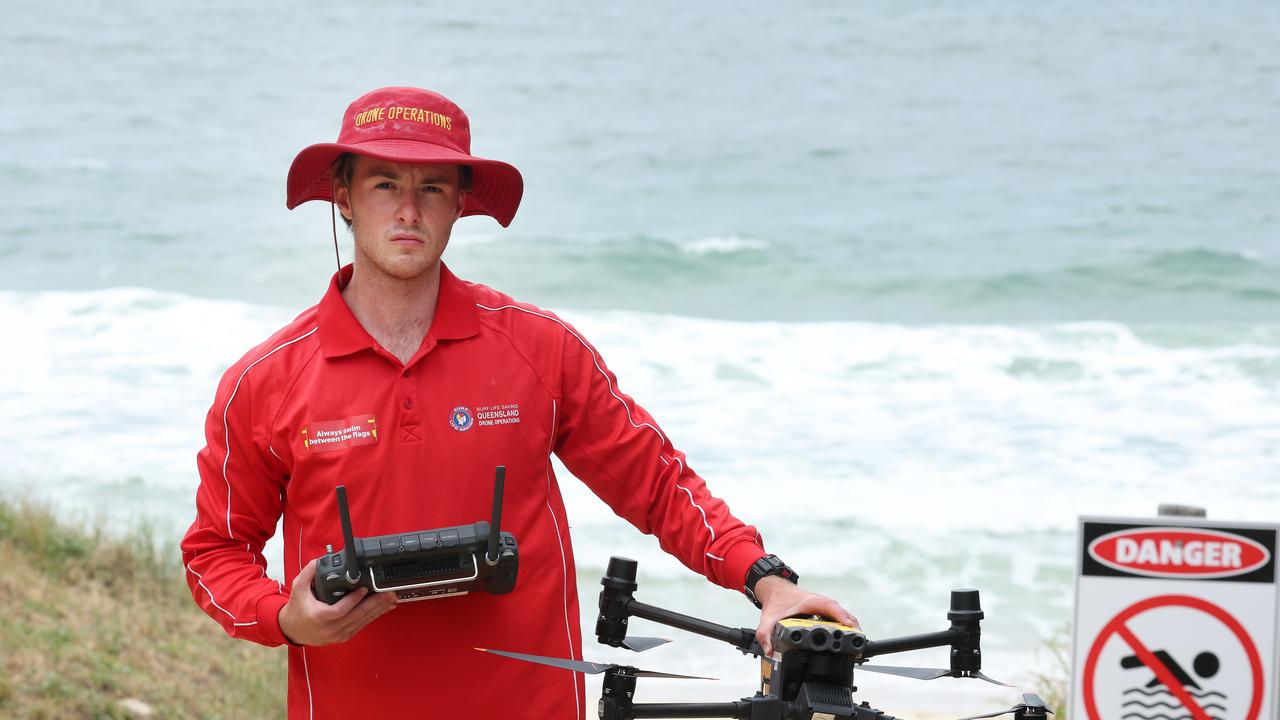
764	567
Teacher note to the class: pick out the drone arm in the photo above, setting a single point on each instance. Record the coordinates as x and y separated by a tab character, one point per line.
741	710
945	638
741	638
964	637
617	604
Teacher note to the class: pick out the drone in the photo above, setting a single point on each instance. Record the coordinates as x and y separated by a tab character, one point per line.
808	675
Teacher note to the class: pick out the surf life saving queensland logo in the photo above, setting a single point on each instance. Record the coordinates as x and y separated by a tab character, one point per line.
498	414
460	419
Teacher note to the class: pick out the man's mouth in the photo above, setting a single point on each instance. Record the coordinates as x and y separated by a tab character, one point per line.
407	239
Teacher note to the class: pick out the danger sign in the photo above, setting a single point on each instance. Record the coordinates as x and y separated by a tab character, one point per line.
1176	620
1179	552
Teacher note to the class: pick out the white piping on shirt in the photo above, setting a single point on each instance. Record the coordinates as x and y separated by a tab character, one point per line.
564	568
691	502
226	430
228	613
226	434
595	359
306	672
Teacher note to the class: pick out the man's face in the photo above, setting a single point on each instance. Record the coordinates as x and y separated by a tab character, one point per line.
401	214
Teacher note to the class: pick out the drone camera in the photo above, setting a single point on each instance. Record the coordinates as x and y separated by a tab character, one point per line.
818	638
813	663
817	635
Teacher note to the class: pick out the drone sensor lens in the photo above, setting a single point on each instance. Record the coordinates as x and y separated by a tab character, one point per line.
796	636
819	638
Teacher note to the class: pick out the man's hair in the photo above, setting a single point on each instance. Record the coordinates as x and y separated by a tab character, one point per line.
343	168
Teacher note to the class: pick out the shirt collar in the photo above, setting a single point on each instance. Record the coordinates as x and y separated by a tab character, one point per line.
456	315
342	334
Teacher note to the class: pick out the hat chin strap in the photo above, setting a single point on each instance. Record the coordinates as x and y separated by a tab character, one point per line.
333	216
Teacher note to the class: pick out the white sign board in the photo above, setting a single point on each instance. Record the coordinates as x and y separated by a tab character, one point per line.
1175	618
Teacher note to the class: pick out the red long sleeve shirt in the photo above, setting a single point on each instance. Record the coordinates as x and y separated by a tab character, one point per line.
495	382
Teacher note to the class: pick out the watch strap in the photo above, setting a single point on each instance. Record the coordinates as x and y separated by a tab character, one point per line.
764	567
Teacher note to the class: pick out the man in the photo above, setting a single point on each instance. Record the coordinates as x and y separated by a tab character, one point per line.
404	356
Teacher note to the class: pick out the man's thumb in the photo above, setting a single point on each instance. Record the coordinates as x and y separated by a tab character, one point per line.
305	577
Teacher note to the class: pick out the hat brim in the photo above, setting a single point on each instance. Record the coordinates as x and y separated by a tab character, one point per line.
496	187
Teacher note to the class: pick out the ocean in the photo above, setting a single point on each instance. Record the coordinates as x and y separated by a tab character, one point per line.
913	284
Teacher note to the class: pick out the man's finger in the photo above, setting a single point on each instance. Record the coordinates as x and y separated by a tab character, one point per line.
344	607
839	613
369	608
366	612
836	611
850	620
764	631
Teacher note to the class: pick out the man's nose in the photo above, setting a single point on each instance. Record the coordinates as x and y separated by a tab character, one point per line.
408	212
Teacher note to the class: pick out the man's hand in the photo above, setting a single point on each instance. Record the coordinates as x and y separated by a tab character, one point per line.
307	621
781	599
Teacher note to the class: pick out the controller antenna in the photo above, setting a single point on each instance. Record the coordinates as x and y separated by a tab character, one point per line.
348	539
495	529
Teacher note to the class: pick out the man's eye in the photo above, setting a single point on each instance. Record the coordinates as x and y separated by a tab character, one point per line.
432	188
384	186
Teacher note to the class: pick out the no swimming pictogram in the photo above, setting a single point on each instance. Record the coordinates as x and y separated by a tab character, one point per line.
1173	656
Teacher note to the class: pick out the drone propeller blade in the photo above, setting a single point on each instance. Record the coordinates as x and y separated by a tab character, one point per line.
653	674
584	666
979	674
581	666
926	673
994	714
1030	701
1033	700
910	672
640	644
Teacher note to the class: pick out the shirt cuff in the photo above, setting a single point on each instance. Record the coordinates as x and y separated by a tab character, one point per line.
269	618
738	561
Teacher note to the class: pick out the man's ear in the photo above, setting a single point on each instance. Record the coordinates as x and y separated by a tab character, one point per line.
342	198
462	204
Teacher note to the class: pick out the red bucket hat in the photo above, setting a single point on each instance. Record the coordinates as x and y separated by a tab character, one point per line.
411	125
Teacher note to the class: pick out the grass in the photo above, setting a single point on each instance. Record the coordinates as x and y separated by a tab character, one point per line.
95	626
1051	683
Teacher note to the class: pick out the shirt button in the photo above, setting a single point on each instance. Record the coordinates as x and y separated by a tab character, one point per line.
408	403
405	373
